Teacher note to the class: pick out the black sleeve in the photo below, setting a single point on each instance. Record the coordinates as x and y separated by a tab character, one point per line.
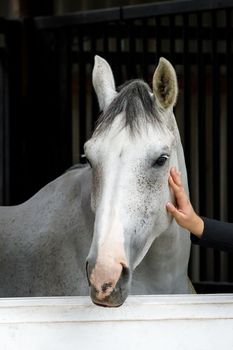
216	234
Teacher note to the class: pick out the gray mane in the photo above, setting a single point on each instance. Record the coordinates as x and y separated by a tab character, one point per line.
133	98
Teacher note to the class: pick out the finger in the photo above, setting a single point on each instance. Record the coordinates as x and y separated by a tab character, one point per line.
179	193
176	184
176	176
173	185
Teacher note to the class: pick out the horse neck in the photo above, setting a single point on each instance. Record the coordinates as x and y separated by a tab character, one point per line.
55	204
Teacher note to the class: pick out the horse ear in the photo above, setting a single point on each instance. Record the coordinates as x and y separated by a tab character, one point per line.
103	82
165	87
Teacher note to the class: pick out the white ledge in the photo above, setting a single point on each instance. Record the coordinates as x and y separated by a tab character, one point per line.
141	308
156	322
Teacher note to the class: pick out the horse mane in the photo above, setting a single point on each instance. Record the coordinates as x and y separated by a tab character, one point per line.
133	98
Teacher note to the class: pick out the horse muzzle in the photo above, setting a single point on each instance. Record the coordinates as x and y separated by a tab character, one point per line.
109	287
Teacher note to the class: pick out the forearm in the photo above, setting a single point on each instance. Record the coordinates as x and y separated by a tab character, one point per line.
216	234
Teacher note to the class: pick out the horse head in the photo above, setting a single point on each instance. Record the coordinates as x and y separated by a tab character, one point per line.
130	152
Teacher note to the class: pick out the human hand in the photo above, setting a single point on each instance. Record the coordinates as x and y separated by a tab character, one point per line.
184	214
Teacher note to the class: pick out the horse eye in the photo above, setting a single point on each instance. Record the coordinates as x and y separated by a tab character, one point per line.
161	160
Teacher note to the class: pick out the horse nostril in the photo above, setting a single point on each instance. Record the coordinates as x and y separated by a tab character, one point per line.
106	286
87	274
125	274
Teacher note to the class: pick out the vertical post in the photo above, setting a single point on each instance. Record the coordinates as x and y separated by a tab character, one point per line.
4	135
82	87
187	88
13	118
229	74
201	133
132	58
216	135
64	117
158	37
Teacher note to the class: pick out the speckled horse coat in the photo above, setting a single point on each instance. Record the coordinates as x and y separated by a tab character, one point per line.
105	224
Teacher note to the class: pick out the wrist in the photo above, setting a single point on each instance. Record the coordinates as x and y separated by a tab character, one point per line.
197	226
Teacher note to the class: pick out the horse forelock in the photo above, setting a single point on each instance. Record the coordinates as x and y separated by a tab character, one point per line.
135	99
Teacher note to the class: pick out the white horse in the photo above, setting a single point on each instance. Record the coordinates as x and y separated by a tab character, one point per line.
106	222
